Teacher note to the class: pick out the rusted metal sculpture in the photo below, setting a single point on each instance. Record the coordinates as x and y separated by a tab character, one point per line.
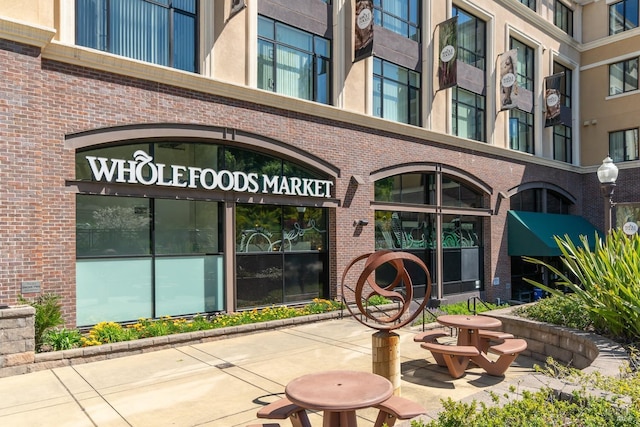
367	287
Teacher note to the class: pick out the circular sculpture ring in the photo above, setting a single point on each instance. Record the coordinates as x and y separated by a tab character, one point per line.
366	287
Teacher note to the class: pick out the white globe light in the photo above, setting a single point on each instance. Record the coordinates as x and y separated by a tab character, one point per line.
607	172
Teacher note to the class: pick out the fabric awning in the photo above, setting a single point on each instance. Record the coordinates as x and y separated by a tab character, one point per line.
532	233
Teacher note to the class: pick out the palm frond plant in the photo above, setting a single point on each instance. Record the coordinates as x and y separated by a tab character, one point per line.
606	281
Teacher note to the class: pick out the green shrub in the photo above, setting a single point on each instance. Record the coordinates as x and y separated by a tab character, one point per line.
539	409
606	281
61	339
48	315
566	310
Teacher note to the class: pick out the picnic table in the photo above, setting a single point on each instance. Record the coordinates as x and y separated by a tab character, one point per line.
339	394
475	334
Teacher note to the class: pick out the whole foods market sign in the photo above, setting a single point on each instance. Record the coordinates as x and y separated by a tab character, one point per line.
143	170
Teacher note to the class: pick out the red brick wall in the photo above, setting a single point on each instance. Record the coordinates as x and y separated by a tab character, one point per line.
43	101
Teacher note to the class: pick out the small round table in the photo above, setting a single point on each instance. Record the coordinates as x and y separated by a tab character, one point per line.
339	394
468	326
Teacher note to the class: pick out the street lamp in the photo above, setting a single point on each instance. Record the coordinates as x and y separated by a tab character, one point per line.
607	175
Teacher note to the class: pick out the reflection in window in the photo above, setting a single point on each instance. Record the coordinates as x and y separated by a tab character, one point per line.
414	227
563	17
293	62
623	76
623	145
562	146
400	16
531	4
471	39
281	254
396	92
521	131
468	111
623	16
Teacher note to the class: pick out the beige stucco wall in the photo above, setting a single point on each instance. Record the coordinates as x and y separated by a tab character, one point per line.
595	21
39	12
601	113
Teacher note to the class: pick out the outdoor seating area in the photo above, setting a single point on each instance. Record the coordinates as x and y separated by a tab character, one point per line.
477	337
339	394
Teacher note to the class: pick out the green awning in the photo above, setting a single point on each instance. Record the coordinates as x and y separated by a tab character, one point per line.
532	233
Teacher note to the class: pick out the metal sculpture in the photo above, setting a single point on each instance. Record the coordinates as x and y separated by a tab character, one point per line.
399	291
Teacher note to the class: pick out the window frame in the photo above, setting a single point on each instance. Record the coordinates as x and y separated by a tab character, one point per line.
104	42
626	68
480	27
380	12
612	8
563	17
480	114
531	4
625	145
317	58
379	80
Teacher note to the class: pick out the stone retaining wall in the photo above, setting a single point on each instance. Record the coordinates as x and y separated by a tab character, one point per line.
581	350
17	340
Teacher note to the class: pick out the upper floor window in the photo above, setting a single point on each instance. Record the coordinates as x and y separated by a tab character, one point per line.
531	4
399	16
562	143
293	62
521	136
468	114
623	145
471	39
623	16
162	32
525	72
396	92
563	134
566	83
623	76
563	17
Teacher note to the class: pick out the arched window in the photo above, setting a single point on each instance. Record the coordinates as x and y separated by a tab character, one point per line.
438	217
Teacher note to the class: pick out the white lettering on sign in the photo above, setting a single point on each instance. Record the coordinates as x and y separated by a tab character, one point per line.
142	170
508	79
447	53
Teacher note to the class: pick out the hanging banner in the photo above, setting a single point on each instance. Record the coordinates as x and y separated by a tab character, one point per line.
552	98
508	62
363	45
236	6
448	53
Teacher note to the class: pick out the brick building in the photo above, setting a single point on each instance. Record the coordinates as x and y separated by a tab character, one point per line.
179	157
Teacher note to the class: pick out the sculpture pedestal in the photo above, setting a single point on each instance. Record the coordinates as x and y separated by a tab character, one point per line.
386	357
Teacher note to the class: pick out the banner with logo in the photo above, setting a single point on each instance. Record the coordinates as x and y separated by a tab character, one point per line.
508	63
552	98
236	6
448	53
363	44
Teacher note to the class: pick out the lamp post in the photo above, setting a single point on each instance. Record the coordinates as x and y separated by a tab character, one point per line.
607	175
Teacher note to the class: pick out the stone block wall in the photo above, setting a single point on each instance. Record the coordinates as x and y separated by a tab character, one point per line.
17	339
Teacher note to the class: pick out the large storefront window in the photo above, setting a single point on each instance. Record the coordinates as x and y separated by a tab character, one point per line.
430	231
153	244
140	257
281	254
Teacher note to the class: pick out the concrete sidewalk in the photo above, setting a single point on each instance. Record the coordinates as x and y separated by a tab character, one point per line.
223	383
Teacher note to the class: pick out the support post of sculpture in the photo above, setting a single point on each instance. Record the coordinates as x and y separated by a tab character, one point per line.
386	357
385	343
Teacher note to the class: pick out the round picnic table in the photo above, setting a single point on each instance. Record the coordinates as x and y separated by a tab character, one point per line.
468	326
339	394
